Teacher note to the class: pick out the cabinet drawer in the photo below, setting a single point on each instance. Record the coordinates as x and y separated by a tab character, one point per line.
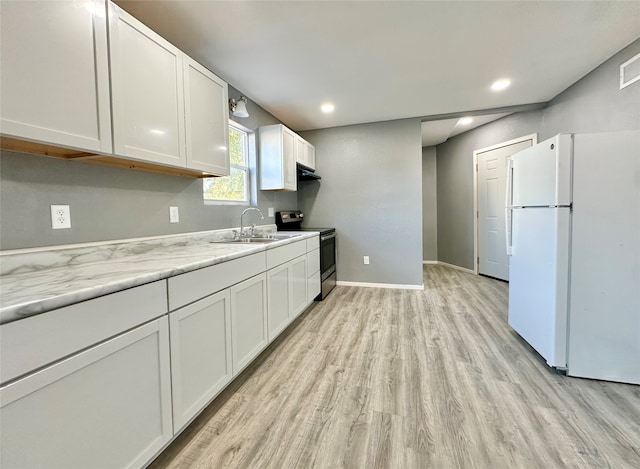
313	243
313	262
189	287
284	254
33	342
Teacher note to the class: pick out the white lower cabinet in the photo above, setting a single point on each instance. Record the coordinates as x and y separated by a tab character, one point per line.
248	320
286	293
109	406
313	273
313	268
278	287
119	402
299	301
200	354
314	286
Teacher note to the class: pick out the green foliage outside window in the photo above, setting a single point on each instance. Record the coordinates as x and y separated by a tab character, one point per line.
231	188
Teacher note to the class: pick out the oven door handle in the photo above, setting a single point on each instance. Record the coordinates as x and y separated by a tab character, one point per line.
324	238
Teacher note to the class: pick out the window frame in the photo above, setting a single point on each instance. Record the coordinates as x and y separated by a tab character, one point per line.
248	140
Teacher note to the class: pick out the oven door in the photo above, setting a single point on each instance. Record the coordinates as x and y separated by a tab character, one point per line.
327	254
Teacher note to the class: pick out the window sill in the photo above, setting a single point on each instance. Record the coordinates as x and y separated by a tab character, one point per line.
226	202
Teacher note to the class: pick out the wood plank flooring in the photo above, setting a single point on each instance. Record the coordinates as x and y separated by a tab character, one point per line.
374	378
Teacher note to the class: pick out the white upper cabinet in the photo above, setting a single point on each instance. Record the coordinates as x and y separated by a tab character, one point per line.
277	158
168	108
147	92
88	76
54	73
305	153
301	150
207	119
311	156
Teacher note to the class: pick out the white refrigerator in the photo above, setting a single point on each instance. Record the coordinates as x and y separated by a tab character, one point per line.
573	237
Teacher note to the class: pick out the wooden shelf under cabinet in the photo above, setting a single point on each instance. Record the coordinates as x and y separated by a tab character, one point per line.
43	149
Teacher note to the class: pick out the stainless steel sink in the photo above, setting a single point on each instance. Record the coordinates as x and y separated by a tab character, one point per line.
268	238
281	235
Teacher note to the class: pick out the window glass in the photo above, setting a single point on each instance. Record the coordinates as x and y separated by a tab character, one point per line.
235	187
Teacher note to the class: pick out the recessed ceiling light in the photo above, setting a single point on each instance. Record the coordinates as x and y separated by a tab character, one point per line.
327	108
500	85
465	121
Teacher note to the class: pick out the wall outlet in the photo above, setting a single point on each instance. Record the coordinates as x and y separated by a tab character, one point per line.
271	212
60	217
366	260
174	215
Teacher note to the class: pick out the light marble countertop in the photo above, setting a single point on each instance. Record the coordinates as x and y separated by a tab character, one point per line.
38	280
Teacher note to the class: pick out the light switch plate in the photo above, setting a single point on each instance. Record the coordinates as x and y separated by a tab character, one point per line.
271	212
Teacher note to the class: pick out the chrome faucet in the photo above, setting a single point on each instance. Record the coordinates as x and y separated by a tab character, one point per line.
252	226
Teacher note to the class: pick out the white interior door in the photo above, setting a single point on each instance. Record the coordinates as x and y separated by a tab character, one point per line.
492	171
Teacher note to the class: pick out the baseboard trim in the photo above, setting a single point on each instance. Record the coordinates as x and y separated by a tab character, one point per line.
395	286
430	262
457	267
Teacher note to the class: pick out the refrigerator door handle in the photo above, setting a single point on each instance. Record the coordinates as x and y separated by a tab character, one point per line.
508	200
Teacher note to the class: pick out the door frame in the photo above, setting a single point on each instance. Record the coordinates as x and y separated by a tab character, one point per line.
534	140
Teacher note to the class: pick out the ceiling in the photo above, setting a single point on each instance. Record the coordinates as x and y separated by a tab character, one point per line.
384	60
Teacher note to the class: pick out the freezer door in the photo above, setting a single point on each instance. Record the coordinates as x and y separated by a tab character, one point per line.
538	280
541	175
604	325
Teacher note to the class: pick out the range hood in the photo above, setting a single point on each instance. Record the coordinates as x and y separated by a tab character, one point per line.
305	174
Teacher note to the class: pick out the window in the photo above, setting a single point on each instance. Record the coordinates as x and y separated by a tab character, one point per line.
235	187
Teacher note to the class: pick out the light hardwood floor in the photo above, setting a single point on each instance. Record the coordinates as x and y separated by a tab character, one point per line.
374	378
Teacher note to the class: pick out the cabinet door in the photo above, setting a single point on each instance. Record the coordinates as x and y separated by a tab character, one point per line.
147	92
200	355
313	272
311	156
289	160
298	268
109	406
206	119
313	286
248	320
278	299
301	151
54	76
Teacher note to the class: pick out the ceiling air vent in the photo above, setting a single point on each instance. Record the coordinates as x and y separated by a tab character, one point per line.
630	71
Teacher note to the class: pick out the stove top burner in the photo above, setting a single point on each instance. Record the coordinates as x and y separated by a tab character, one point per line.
292	221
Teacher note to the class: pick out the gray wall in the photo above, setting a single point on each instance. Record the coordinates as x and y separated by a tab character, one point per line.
429	205
371	192
111	203
455	182
593	104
